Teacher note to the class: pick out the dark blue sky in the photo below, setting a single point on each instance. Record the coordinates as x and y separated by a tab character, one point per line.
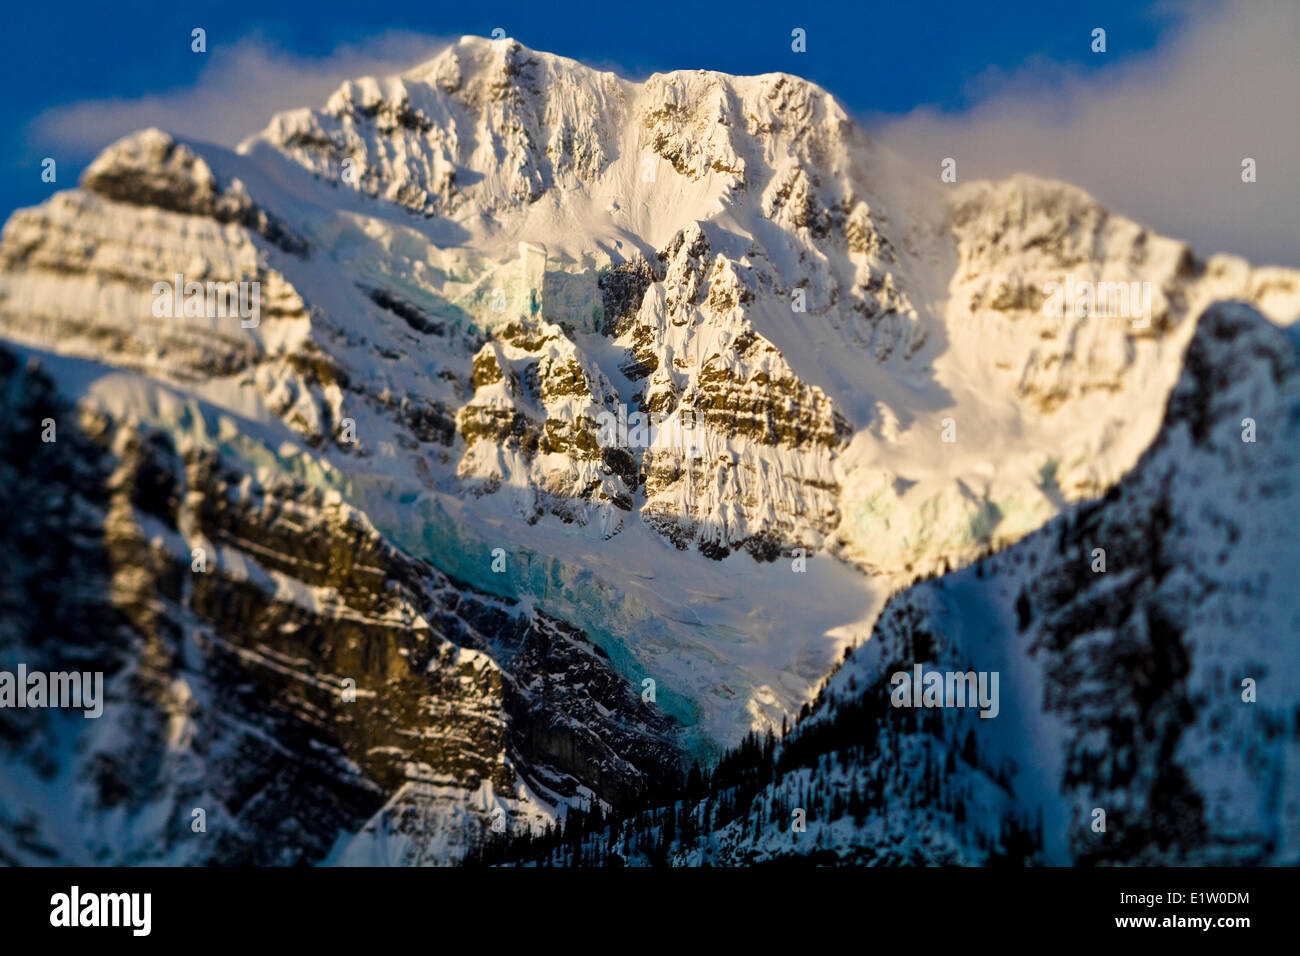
876	57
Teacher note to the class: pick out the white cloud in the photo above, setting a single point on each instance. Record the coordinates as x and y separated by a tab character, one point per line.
1159	139
235	94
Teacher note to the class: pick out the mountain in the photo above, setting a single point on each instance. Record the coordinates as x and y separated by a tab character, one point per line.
1152	681
583	425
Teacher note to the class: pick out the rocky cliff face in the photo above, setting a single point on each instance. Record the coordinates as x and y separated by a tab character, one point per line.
275	663
587	421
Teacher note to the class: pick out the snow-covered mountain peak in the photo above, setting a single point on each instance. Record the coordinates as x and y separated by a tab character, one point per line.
807	351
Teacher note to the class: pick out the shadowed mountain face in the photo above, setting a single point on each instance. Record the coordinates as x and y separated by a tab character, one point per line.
312	680
501	437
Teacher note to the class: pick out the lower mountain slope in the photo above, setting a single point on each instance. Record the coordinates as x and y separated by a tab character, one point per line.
280	681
